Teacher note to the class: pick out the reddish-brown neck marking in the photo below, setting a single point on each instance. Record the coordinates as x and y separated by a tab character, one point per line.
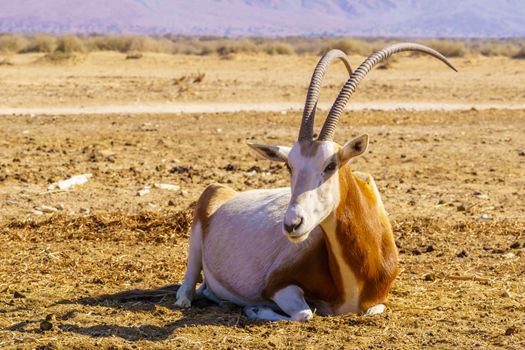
365	235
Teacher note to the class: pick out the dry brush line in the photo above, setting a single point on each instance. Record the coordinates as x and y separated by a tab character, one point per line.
166	226
157	227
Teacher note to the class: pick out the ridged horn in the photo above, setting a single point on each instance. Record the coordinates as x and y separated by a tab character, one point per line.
328	130
307	125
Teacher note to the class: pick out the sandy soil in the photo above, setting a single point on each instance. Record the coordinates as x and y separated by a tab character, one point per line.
452	181
109	79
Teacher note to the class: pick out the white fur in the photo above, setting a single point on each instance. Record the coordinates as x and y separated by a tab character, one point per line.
244	242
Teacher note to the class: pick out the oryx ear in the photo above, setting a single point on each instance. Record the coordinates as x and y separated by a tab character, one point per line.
353	148
275	153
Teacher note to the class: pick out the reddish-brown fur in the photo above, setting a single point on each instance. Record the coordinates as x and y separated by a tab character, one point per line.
210	200
365	234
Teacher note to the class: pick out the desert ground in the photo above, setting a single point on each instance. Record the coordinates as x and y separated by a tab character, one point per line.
96	265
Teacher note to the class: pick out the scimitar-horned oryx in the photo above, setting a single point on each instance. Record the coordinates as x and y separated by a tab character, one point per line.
325	242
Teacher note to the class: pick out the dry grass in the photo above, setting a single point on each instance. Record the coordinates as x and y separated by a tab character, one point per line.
73	280
13	43
520	54
449	48
41	43
194	45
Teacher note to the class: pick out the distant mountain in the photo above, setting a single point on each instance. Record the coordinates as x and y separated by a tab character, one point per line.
403	18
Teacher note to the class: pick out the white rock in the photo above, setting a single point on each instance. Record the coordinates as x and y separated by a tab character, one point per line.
46	209
170	187
35	212
485	217
72	181
143	191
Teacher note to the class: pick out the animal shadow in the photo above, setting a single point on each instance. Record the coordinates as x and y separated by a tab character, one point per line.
157	301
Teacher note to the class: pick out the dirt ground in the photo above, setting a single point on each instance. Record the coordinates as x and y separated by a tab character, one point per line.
90	274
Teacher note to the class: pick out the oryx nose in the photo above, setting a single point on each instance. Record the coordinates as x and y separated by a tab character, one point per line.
291	227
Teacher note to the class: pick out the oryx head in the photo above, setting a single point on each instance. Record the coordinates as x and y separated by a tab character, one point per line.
314	163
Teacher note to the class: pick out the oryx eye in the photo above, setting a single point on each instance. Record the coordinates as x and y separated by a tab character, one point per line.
330	167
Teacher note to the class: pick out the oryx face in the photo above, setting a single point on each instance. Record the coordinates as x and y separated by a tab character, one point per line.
314	181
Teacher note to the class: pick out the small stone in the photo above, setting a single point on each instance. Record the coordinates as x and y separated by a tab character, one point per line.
485	217
35	212
429	249
171	203
230	167
143	191
416	252
461	207
429	277
18	295
511	330
462	254
411	189
521	154
515	245
505	294
476	193
46	209
45	325
84	210
60	206
509	255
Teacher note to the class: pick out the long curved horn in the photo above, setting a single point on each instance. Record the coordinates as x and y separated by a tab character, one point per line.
328	130
307	124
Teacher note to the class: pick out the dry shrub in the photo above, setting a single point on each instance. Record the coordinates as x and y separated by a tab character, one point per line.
151	226
230	46
68	44
13	43
109	43
278	48
41	43
6	62
449	48
349	46
134	56
520	54
388	64
59	57
495	49
148	44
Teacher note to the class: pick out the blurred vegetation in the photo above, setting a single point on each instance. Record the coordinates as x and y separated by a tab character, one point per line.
206	45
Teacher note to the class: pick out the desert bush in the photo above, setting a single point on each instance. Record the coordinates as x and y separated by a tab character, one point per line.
493	47
109	43
41	43
6	62
62	57
69	44
13	43
520	54
148	44
349	46
278	48
449	48
225	47
134	56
